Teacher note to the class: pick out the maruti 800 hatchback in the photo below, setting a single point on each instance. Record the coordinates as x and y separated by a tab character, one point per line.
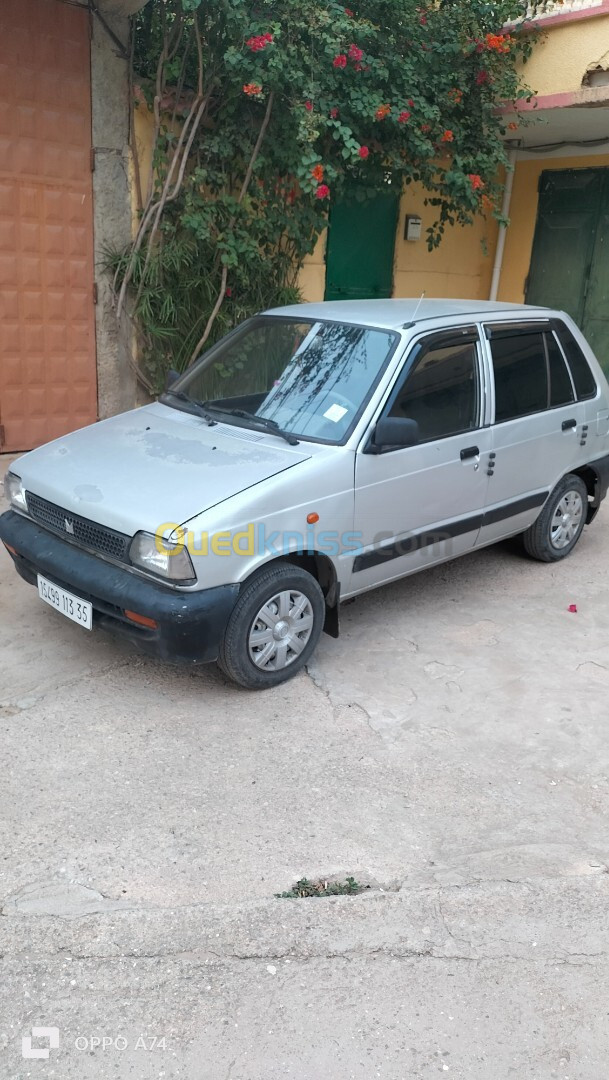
316	452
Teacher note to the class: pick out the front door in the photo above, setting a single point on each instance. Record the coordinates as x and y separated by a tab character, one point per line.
570	263
422	504
361	243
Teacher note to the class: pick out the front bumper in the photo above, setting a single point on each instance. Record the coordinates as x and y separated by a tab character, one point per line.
190	625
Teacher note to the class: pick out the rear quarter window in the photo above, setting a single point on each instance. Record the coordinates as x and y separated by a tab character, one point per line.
583	379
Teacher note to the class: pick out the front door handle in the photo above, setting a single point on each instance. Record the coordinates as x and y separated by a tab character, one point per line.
469	452
568	424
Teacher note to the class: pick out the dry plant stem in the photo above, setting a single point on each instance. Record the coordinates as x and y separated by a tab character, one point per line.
132	141
244	187
155	210
170	196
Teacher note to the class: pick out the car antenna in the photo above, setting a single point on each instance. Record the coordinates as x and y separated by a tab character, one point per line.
418	306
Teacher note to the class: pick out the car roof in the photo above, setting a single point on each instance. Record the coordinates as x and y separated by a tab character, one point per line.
395	314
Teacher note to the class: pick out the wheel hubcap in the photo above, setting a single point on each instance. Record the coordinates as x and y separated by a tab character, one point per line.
281	630
567	519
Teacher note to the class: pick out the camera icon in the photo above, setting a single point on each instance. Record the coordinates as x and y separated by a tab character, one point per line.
50	1033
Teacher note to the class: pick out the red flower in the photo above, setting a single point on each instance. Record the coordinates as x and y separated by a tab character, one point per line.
363	152
447	136
425	128
228	292
411	103
334	113
252	89
355	53
456	95
423	20
476	181
322	192
482	77
317	172
259	42
349	12
382	112
404	117
309	106
340	61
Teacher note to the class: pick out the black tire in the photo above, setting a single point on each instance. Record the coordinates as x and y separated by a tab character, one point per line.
235	657
538	539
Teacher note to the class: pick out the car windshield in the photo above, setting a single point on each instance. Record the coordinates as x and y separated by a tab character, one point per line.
303	378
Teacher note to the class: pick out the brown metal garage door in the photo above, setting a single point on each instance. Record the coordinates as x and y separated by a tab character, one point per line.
47	329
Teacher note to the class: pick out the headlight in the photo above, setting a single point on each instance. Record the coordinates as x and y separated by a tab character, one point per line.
162	557
15	491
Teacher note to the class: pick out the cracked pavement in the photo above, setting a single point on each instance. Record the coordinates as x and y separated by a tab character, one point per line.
449	750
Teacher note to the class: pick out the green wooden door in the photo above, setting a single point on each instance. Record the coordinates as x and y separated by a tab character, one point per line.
570	257
361	243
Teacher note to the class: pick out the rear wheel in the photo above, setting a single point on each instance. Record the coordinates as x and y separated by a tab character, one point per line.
274	627
561	522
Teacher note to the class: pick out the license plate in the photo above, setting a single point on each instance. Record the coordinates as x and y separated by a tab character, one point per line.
79	611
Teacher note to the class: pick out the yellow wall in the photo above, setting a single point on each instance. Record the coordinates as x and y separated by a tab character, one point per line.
459	267
563	54
143	127
312	277
523	215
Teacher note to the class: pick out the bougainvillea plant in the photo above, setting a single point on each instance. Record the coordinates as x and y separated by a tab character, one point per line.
268	111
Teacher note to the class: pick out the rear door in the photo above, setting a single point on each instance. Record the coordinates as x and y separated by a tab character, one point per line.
538	424
421	504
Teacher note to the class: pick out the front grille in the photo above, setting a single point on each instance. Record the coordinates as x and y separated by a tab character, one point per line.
80	530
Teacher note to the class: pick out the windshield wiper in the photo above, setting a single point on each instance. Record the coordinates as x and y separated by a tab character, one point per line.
199	406
262	421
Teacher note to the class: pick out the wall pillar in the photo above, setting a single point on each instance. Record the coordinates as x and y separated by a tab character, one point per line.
112	215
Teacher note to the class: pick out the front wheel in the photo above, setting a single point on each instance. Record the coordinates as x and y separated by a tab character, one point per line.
274	627
561	522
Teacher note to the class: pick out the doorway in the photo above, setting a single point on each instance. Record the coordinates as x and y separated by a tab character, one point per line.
361	244
569	262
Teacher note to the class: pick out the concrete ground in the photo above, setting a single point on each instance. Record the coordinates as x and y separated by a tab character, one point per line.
449	749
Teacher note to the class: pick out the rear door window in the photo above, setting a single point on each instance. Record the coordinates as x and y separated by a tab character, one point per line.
521	374
561	387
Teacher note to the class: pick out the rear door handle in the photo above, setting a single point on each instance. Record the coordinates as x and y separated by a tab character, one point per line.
568	424
470	451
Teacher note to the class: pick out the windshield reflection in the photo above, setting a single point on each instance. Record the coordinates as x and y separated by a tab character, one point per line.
311	378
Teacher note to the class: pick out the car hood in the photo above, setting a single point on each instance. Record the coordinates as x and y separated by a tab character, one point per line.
152	466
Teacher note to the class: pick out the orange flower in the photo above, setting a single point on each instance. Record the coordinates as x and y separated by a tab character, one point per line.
487	204
447	136
498	43
318	173
456	95
382	112
513	126
476	181
252	89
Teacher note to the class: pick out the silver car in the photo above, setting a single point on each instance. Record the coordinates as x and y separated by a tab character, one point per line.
316	452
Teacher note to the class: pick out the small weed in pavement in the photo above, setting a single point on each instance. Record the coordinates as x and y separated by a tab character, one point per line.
304	887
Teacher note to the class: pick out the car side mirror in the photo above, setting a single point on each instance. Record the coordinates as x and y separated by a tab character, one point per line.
171	377
393	433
